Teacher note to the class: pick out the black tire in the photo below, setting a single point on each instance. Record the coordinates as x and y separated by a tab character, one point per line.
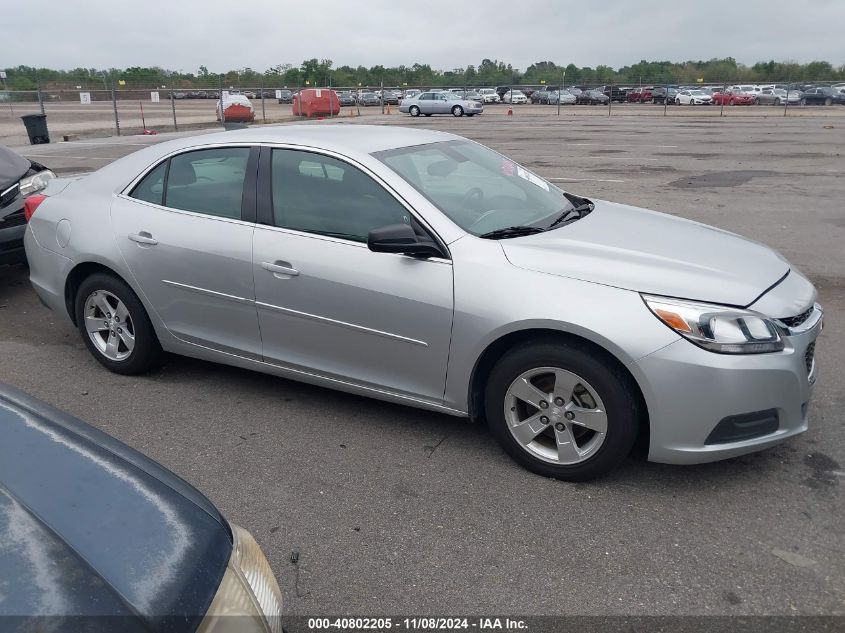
427	113
471	114
457	111
777	102
756	100
828	101
147	353
803	102
414	111
612	384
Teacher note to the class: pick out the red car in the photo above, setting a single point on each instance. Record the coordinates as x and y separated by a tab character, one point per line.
316	102
643	94
729	97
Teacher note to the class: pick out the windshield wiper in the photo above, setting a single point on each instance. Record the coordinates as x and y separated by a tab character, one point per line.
575	213
511	231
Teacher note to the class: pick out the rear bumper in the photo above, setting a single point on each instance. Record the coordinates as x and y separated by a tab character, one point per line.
689	391
47	274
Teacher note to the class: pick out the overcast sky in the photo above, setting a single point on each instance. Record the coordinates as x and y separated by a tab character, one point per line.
223	34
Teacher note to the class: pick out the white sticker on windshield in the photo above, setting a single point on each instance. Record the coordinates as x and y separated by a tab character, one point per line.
534	180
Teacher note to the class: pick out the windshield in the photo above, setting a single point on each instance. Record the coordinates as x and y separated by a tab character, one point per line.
477	188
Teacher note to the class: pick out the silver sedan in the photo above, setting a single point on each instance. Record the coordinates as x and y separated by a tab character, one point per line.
429	103
422	268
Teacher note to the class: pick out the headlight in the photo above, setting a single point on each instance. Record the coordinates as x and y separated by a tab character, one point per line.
249	599
36	182
717	328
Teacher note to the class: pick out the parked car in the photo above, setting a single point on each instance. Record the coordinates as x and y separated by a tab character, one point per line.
473	95
540	96
429	103
413	92
357	292
180	95
201	94
390	98
236	109
100	537
729	97
821	95
315	102
615	93
663	95
517	97
692	97
346	98
489	95
564	96
777	96
19	178
642	94
285	96
369	99
592	97
249	94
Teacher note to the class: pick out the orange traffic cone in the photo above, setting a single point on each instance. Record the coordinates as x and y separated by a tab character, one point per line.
510	111
388	108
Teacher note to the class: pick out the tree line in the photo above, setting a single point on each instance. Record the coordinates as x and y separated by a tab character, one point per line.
323	72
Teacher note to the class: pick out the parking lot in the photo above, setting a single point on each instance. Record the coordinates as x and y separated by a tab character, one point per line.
418	512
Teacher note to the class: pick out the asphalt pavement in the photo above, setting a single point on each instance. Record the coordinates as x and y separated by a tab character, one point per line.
393	510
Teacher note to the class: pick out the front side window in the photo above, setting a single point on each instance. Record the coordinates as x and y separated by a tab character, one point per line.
323	195
477	188
208	181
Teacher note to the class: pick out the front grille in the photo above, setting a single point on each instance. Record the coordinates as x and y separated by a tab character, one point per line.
798	319
9	194
809	357
13	219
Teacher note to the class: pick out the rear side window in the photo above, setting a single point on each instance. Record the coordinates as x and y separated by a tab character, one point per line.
151	188
208	181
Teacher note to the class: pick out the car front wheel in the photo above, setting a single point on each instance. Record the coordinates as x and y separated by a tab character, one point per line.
457	111
414	111
115	326
561	410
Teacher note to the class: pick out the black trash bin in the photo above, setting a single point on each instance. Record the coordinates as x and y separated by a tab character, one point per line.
36	128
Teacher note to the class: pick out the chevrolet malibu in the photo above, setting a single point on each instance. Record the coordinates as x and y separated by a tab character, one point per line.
97	537
423	268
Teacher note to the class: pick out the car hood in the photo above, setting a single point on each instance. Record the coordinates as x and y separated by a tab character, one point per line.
647	251
12	167
90	527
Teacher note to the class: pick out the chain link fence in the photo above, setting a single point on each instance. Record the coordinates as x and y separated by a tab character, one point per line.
99	109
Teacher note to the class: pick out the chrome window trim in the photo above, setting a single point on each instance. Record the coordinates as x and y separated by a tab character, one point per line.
193	214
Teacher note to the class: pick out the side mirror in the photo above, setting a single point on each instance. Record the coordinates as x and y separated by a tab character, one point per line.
401	238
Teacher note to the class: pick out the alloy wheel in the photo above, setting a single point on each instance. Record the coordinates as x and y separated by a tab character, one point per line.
555	415
109	325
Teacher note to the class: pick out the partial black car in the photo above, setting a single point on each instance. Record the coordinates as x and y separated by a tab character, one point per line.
346	98
19	178
615	93
592	97
822	95
95	536
664	95
285	96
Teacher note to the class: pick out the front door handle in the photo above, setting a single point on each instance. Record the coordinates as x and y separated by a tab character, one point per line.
281	270
143	238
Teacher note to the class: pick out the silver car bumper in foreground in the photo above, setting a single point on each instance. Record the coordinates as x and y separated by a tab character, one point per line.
705	406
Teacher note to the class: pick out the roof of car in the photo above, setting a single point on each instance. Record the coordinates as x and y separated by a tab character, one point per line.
344	138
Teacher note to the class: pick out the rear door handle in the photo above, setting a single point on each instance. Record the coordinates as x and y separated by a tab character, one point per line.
143	238
280	269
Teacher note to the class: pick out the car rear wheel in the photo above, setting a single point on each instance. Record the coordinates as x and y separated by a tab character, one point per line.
414	111
457	111
756	100
115	326
803	102
731	102
828	101
560	411
777	102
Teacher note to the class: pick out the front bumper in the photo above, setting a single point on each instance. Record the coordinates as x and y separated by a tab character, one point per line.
689	390
11	245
